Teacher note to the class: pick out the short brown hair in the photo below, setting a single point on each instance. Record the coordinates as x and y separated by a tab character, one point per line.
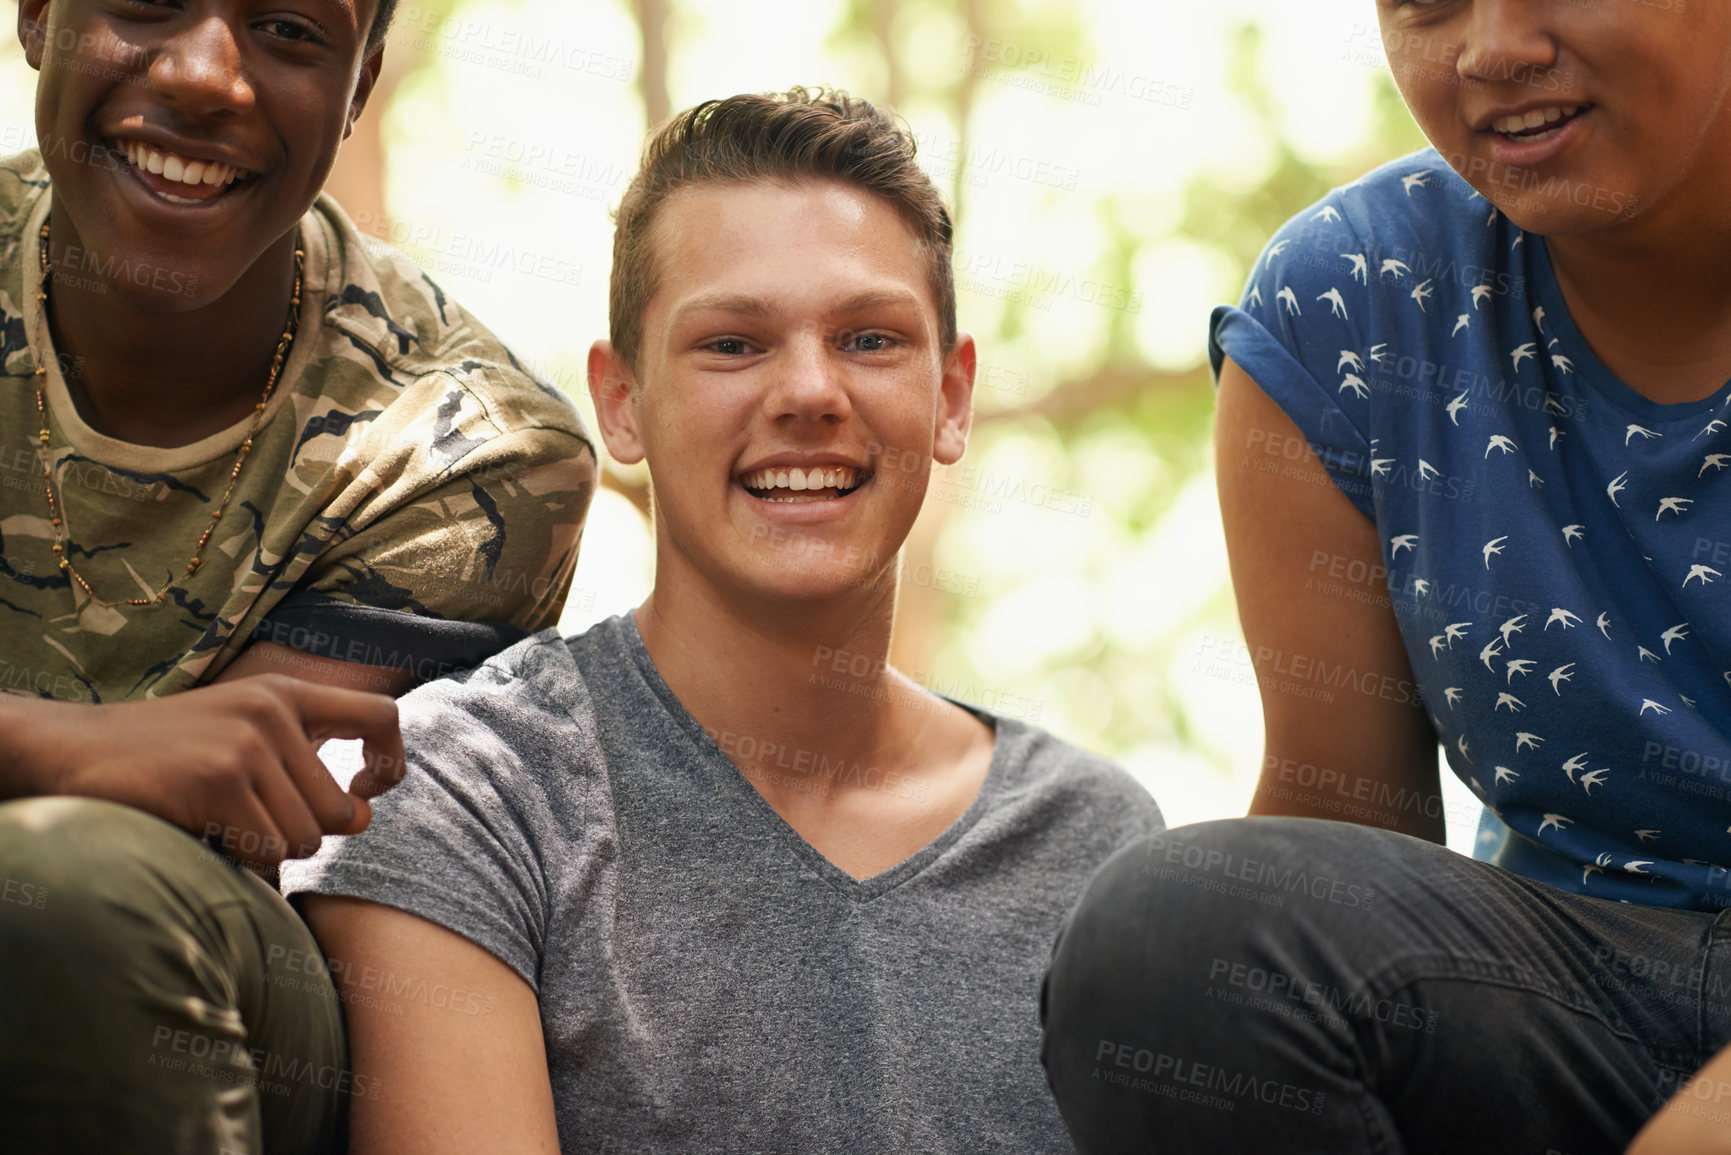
798	135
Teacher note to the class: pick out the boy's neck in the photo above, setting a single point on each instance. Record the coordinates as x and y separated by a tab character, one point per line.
166	378
860	761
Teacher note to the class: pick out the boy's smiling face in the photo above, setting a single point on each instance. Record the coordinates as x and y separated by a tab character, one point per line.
190	135
792	389
1568	116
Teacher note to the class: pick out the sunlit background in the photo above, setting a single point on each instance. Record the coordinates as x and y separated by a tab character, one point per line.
1116	166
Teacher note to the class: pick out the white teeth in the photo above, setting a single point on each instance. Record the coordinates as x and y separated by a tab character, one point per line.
797	480
1538	118
180	169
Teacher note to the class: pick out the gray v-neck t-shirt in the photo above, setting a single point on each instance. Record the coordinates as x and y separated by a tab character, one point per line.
708	981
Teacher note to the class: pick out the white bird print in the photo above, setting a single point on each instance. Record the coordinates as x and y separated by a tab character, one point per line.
1676	633
1560	675
1397	268
1377	354
1438	644
1464	321
1534	481
1426	470
1559	614
1711	427
1556	820
1604	620
1618	484
1630	432
1494	546
1404	541
1336	303
1516	243
1349	360
1705	572
1360	268
1649	704
1522	738
1521	666
1578	762
1672	505
1504	774
1556	433
1419	179
1420	587
1461	745
1714	461
1493	648
1511	627
1572	534
1274	250
1453	694
1642	653
1290	299
1481	294
1455	407
1554	405
1687	700
1634	867
1356	384
1539	317
1329	213
1499	441
1596	778
1562	363
1513	703
1421	294
1456	631
1593	867
1256	296
1647	835
1379	466
1522	352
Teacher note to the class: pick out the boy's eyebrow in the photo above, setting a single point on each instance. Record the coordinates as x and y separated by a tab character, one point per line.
758	307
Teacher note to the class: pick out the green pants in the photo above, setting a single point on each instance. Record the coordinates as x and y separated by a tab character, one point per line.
155	998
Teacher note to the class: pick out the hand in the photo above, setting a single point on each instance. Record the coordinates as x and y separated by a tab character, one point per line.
237	761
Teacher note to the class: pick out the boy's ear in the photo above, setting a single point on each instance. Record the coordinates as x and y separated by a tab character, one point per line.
613	388
955	401
31	34
369	76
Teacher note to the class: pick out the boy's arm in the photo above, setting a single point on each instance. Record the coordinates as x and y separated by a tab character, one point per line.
236	760
462	1069
1694	1121
1288	530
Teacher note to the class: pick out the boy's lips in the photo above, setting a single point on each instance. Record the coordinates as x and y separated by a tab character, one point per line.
178	177
793	484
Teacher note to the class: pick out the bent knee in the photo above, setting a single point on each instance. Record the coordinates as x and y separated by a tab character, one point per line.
100	874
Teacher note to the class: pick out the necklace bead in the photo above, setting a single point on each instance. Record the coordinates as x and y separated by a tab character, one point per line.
62	536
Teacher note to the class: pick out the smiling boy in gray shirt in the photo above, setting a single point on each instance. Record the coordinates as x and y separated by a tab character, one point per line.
713	875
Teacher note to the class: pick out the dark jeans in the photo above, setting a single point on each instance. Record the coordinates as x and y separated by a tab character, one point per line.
1272	985
154	998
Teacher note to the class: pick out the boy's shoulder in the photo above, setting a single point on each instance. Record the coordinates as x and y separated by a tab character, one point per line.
385	313
1063	778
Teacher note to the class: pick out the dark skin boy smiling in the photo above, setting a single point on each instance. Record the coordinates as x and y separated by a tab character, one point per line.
257	476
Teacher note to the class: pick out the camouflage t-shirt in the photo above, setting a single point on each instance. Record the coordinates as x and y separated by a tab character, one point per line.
413	497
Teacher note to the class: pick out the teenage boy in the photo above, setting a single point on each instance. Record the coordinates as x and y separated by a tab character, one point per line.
674	884
233	441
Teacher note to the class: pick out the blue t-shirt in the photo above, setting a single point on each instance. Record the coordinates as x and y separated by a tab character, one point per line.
1558	546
